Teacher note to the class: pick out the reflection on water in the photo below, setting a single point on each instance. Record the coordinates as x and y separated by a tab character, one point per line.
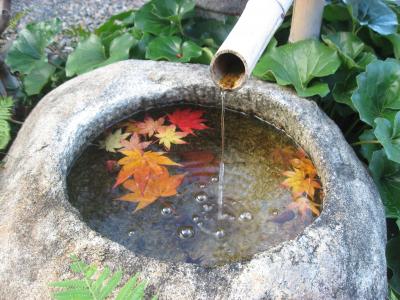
186	227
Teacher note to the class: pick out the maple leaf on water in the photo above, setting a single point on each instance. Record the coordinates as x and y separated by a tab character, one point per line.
141	166
300	183
303	205
150	126
113	141
168	135
162	185
187	120
306	165
134	143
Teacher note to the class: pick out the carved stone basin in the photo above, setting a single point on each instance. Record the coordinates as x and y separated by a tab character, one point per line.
339	256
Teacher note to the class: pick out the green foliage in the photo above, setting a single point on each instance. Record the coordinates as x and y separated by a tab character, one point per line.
172	49
97	285
388	134
393	261
375	14
6	104
298	64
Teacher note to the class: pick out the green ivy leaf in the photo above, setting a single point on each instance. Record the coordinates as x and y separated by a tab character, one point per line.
30	45
348	45
298	64
148	22
393	262
172	48
368	149
378	91
388	135
27	55
6	105
173	10
386	174
375	14
91	54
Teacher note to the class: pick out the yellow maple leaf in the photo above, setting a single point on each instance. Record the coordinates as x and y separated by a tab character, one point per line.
300	183
168	135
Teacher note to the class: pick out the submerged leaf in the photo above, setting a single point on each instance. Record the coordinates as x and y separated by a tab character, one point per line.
300	183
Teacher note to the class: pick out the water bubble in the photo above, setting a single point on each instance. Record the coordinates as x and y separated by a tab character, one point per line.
167	211
185	232
274	211
131	233
201	197
207	207
228	217
195	218
214	179
200	224
219	234
202	185
246	216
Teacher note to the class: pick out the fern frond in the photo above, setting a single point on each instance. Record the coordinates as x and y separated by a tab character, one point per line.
6	105
95	285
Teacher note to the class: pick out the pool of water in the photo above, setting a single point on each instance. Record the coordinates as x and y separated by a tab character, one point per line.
186	227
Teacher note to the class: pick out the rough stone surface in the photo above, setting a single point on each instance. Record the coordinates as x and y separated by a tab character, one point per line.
340	256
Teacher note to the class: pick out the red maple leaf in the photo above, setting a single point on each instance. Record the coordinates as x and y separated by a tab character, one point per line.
187	120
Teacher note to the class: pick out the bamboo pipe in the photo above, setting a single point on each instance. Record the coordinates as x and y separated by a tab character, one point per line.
235	60
306	20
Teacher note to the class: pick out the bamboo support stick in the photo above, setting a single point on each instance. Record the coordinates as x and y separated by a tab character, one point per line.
306	20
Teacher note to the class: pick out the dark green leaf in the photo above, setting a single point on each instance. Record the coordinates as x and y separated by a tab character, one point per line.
388	134
386	174
375	14
298	64
148	22
343	89
172	48
395	40
393	262
368	149
30	45
378	91
38	77
348	45
336	12
90	54
173	10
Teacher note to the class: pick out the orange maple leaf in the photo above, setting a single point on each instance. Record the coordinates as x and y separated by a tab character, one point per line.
134	143
187	120
150	126
300	183
162	185
305	165
303	205
141	166
168	135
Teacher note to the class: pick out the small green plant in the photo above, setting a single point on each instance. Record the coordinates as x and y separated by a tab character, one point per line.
6	105
96	285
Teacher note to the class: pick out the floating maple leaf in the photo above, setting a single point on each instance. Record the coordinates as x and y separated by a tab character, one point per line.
134	143
162	185
113	141
300	183
168	135
141	166
150	126
187	120
305	165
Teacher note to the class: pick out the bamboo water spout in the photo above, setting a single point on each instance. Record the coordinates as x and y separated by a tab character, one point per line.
236	58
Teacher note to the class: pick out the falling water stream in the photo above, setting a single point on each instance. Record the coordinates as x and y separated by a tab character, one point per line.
221	163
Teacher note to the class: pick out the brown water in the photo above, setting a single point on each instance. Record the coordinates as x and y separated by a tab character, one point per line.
187	227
